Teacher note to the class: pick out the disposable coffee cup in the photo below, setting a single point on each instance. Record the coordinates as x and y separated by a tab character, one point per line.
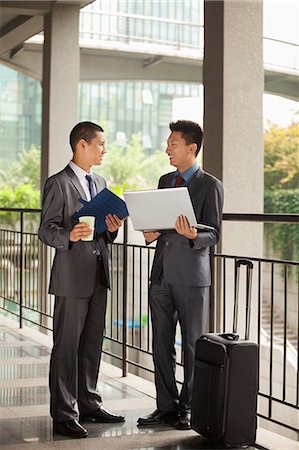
90	220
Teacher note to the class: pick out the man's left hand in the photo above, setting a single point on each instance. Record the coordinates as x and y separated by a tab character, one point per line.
183	227
113	222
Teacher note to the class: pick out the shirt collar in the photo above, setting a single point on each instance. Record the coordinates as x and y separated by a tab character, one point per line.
81	174
188	174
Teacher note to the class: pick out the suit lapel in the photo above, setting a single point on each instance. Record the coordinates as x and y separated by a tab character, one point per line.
74	180
100	183
167	182
193	183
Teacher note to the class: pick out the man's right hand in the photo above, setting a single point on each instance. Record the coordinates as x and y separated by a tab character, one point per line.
151	236
80	230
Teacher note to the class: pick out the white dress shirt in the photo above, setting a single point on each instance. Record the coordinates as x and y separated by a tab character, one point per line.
81	174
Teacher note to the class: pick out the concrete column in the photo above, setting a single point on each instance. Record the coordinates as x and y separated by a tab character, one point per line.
61	68
233	117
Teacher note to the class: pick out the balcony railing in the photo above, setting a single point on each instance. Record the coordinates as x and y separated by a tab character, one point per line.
185	36
135	28
25	265
113	31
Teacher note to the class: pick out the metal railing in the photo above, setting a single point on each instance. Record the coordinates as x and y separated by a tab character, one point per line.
25	264
129	28
102	29
136	28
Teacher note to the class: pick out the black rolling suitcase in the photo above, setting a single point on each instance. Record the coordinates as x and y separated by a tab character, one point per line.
226	380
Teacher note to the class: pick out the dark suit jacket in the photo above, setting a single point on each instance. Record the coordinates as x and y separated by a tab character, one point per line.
74	268
182	261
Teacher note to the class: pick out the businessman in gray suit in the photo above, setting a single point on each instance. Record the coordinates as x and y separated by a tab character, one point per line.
79	281
181	276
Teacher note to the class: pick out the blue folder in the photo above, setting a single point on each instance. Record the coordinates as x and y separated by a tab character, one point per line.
105	202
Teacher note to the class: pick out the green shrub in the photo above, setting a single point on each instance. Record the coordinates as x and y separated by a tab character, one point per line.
284	237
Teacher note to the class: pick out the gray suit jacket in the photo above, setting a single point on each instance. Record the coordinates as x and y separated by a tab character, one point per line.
182	261
74	268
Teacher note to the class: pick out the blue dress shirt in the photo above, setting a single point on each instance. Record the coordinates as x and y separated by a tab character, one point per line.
187	175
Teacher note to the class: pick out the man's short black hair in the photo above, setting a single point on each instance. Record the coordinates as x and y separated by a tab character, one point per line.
191	132
83	130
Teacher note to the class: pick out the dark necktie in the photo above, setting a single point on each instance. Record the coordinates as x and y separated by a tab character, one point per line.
179	180
92	186
93	193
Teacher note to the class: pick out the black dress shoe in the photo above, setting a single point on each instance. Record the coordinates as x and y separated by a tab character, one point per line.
157	417
184	421
70	428
101	415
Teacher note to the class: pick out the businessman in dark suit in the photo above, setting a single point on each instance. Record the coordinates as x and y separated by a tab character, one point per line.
79	281
181	275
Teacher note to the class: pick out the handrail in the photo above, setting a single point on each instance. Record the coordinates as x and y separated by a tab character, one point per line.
166	20
21	210
248	217
262	217
142	17
281	41
24	260
175	40
128	36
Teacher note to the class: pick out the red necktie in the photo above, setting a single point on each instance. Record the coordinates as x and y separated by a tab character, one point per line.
179	180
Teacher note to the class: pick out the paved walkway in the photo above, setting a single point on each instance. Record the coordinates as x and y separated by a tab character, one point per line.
24	400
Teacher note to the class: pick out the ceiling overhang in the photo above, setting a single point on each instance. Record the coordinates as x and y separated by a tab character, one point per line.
20	20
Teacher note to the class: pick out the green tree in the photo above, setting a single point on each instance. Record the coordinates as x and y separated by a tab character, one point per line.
282	156
282	186
121	164
284	237
23	196
20	186
130	167
29	167
25	170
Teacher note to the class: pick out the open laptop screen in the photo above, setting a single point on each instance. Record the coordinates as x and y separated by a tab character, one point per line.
158	209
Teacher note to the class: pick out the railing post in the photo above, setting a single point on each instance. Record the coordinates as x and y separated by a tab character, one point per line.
21	269
295	58
128	37
212	291
179	37
125	292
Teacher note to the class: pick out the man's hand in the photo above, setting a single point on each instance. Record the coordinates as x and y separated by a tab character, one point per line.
113	222
151	236
81	230
183	227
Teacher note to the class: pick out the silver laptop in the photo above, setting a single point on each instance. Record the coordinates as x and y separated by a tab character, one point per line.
158	209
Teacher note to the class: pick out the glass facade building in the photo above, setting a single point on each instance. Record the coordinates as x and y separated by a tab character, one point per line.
133	107
20	113
126	107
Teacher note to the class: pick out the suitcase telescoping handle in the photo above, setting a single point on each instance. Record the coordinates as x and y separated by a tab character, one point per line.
249	267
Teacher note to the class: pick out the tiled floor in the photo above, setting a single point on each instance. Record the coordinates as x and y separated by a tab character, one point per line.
24	399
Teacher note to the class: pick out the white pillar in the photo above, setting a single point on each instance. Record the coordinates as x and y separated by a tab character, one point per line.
233	118
61	68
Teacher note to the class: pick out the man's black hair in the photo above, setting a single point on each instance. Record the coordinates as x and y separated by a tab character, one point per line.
83	130
191	132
